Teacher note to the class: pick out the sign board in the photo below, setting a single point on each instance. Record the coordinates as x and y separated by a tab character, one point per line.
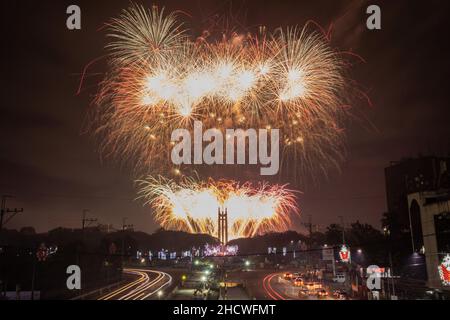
344	254
327	254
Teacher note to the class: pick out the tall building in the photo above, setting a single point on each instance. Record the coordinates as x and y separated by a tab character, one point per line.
418	201
422	174
434	210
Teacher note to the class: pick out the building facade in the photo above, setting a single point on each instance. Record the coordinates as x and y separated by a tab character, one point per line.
434	210
409	176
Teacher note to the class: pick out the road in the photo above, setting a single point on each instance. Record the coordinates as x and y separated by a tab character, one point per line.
270	285
146	286
272	290
277	288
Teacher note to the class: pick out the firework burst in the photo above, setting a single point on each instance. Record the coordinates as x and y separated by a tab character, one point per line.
191	205
161	80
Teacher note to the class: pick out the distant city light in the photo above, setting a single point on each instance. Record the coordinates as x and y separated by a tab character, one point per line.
219	250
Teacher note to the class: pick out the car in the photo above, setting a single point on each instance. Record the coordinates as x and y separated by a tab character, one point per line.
336	293
322	293
340	295
298	282
303	293
287	276
310	286
339	278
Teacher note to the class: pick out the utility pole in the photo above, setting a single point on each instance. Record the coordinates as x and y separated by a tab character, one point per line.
125	226
343	229
5	210
86	222
392	274
410	221
309	225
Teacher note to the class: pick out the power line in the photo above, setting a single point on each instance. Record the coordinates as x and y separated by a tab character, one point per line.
86	222
4	211
125	226
121	197
73	196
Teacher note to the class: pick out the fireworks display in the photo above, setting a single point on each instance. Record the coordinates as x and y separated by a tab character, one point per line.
161	79
192	206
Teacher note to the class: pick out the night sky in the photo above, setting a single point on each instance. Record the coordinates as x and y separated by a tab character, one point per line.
54	170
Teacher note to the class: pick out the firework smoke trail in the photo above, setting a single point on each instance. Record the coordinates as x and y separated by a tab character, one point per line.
192	206
161	80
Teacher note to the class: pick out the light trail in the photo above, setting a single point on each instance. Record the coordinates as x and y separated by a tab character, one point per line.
126	287
271	292
142	288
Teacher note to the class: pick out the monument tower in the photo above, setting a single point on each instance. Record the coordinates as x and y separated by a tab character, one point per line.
222	229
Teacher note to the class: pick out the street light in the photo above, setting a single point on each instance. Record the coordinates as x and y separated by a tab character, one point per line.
359	251
247	263
203	278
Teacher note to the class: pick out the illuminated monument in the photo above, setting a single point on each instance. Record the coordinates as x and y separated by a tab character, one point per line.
222	229
222	233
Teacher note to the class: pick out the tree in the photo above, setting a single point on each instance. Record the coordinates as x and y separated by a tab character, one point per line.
28	231
333	235
361	234
370	240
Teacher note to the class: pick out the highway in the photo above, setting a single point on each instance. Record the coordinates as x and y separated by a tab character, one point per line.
260	284
266	284
146	286
269	289
276	288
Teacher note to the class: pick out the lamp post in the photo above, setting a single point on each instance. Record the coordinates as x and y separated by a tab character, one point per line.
343	229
